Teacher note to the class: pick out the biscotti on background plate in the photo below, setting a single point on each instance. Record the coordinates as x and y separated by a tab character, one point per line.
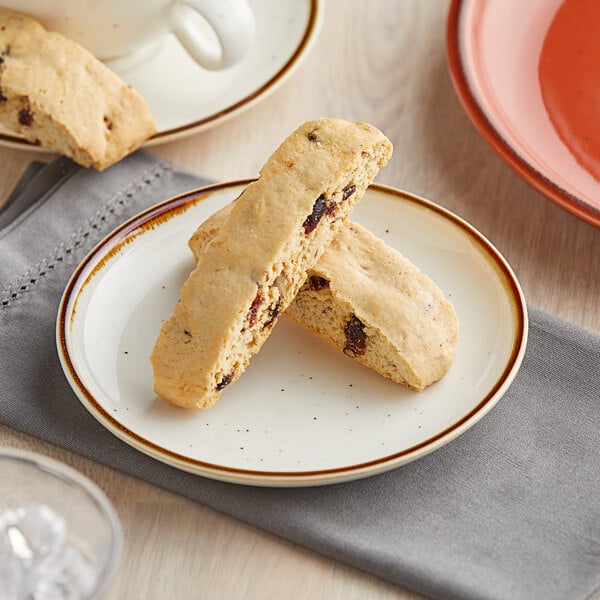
58	95
251	271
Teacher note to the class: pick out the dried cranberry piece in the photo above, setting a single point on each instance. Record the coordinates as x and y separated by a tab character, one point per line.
356	339
318	211
348	191
320	208
273	312
253	312
25	117
225	381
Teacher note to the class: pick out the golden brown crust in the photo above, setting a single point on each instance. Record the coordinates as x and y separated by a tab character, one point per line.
250	272
58	95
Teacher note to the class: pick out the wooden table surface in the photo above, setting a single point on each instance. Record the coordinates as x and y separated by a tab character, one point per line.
382	62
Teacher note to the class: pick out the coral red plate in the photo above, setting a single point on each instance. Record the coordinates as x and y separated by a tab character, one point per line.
494	49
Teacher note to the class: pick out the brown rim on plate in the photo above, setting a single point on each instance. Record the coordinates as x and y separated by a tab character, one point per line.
555	193
162	212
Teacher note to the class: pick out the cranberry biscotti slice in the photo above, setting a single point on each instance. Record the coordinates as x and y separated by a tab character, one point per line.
372	303
58	95
250	272
377	307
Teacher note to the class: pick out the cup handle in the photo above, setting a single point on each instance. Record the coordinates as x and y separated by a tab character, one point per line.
232	22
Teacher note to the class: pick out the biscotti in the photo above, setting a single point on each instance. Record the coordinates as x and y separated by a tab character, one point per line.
372	303
250	272
58	95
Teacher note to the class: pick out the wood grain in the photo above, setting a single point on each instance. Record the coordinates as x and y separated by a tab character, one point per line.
382	62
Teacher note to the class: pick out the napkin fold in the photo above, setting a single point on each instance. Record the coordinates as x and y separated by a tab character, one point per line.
509	510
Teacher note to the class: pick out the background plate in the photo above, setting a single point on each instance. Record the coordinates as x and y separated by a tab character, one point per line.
186	99
302	413
493	50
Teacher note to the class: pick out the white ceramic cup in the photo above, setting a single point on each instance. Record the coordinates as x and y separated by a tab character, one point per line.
215	33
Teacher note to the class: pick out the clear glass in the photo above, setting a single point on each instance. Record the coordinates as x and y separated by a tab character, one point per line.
93	528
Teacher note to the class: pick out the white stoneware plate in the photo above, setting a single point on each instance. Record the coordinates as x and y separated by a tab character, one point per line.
302	413
185	99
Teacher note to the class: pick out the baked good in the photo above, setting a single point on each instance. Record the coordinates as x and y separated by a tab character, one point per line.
58	95
372	303
277	229
377	307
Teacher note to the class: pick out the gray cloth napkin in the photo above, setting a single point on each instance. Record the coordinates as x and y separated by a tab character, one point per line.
509	510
